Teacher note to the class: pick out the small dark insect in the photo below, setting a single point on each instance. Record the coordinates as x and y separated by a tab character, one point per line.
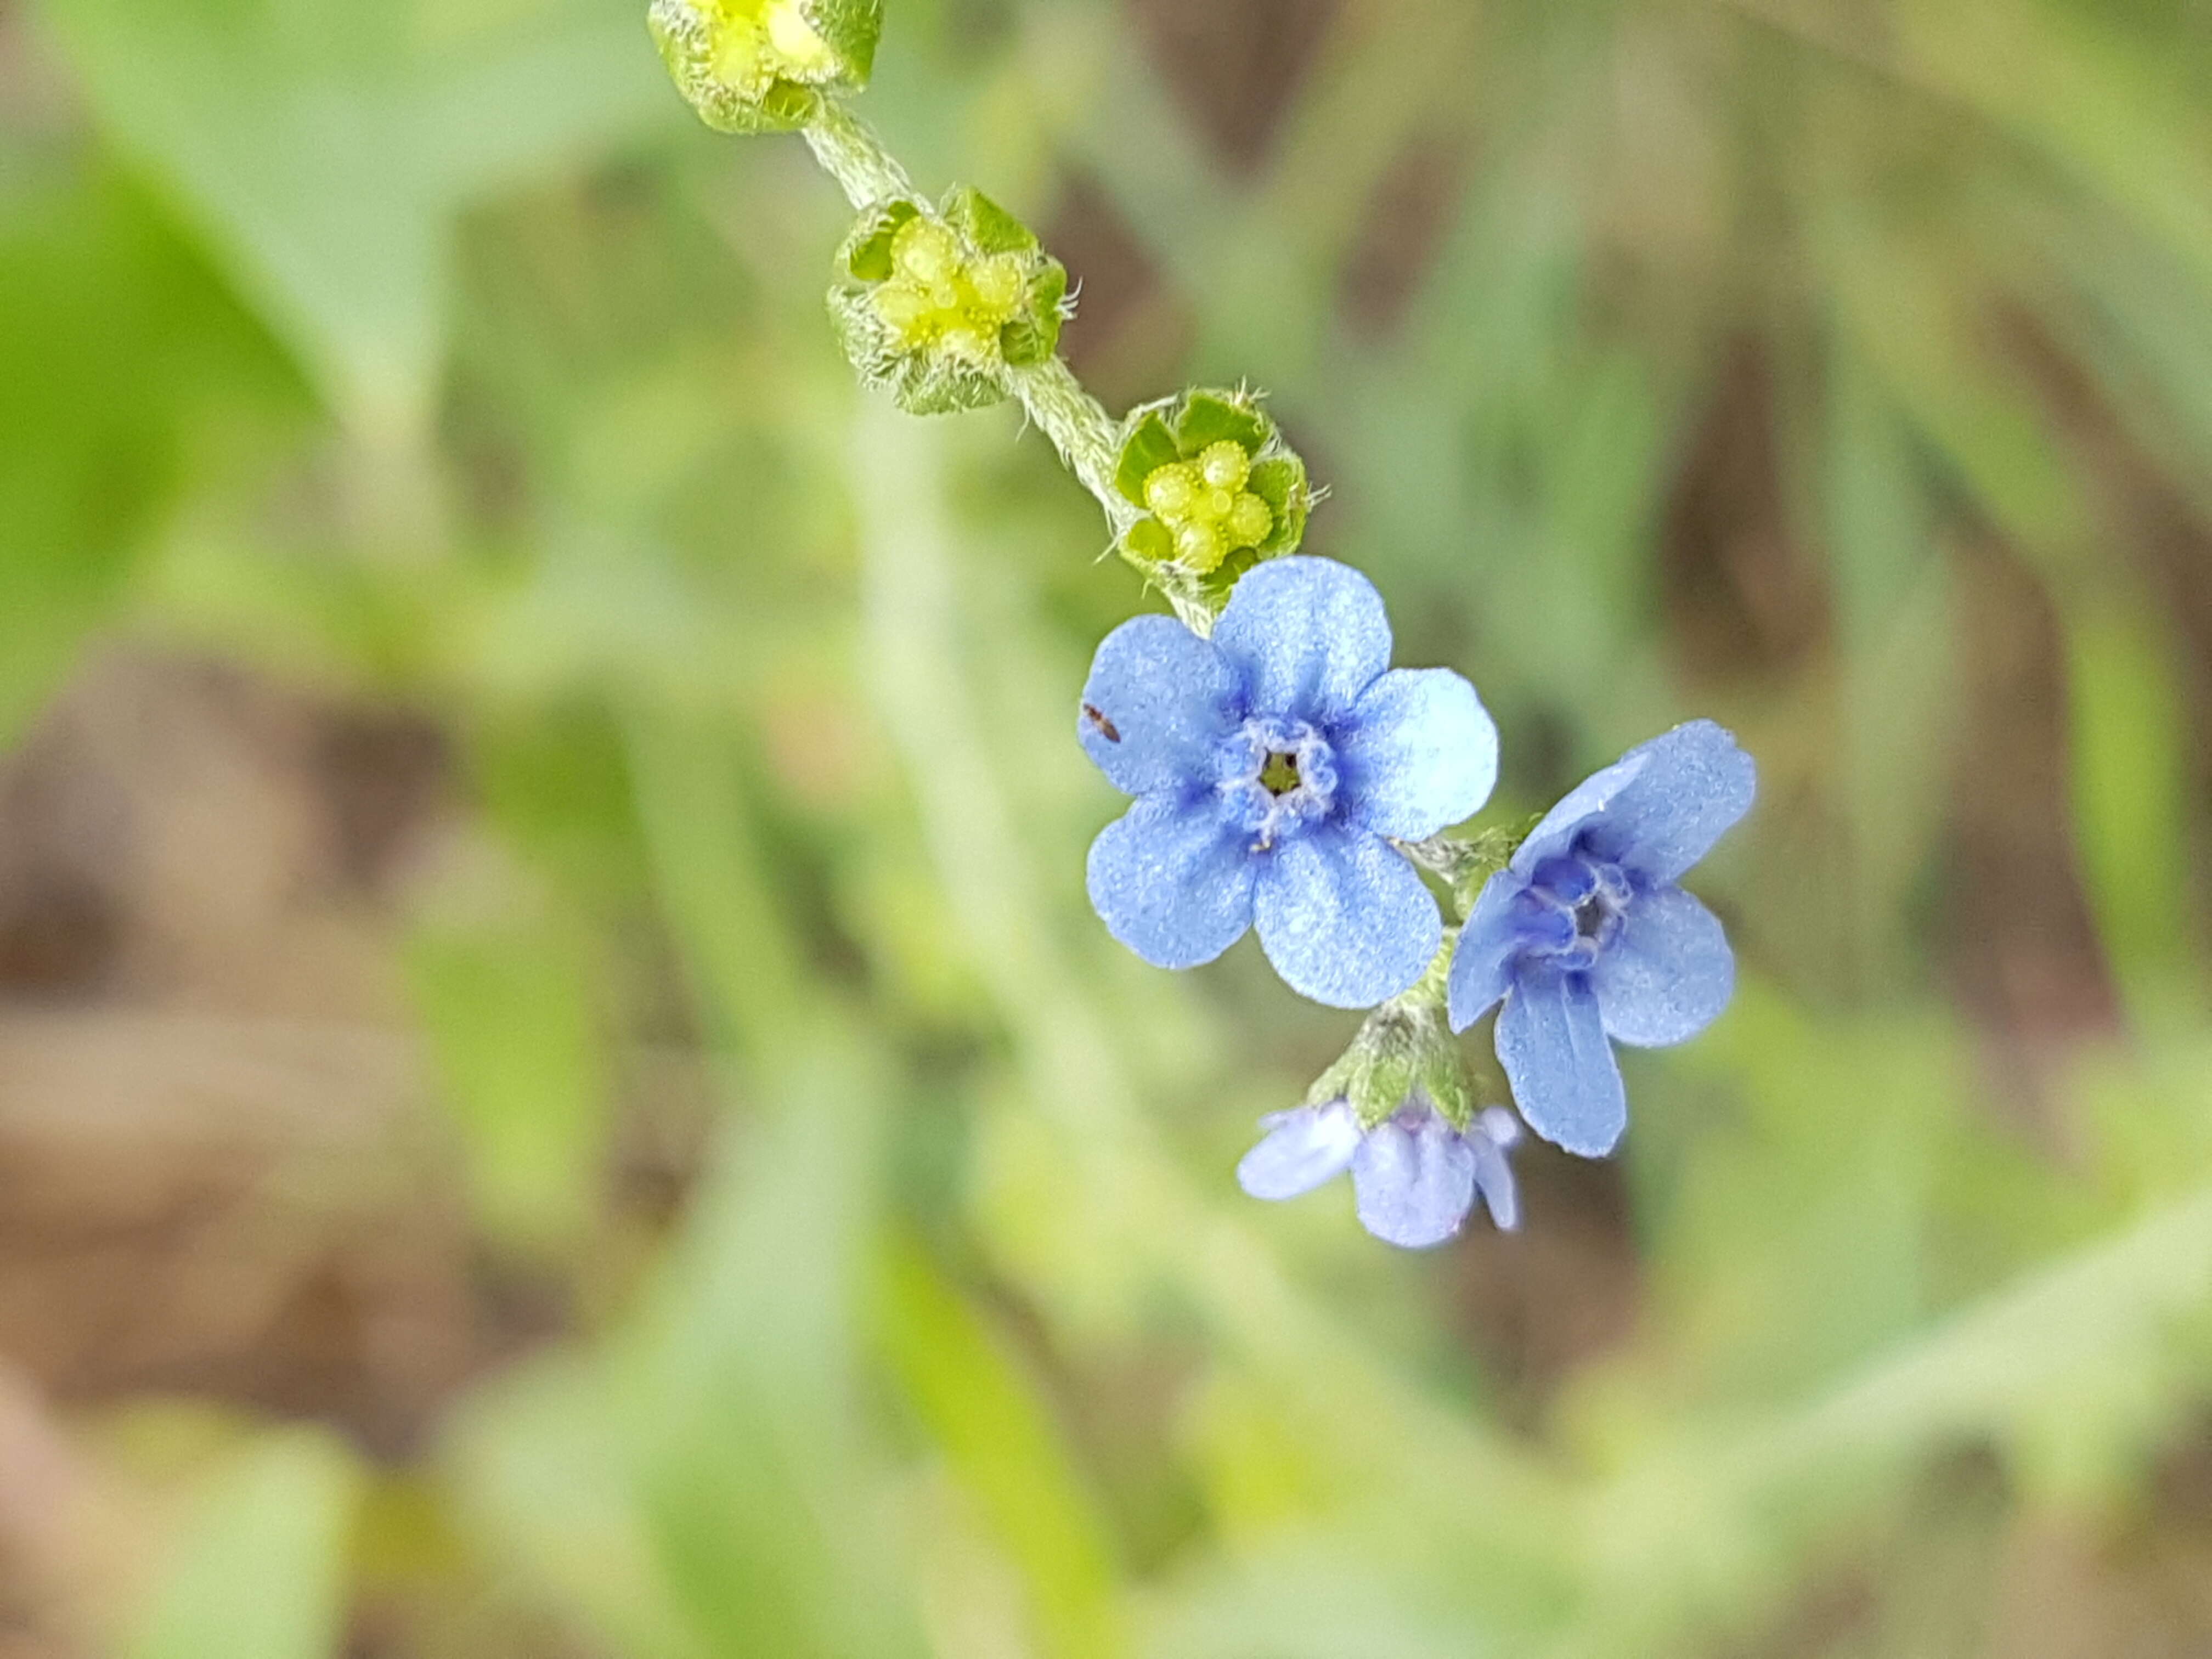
1097	717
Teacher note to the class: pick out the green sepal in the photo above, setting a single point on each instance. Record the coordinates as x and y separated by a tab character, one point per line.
1222	582
852	28
1280	481
986	227
1473	862
1404	1051
1209	416
926	380
1386	1079
1335	1083
1181	428
866	255
1146	447
1444	1079
1149	540
1034	336
782	93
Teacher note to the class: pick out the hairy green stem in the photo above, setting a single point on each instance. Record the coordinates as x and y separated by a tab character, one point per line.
849	152
1088	438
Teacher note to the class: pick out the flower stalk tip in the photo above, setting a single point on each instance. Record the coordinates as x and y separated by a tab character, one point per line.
765	65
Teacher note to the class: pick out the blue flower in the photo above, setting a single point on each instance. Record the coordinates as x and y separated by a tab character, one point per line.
1586	936
1272	763
1413	1176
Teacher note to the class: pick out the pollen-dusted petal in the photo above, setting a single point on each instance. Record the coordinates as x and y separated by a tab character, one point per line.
1418	754
1552	1043
1172	881
1668	974
1301	1150
1414	1185
1482	961
1154	706
1306	636
1345	919
1694	783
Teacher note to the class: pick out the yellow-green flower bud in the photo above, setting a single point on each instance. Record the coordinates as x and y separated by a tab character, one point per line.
1226	465
1249	520
936	304
765	65
1219	488
1170	491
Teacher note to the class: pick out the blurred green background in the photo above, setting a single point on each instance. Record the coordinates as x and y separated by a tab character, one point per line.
560	1099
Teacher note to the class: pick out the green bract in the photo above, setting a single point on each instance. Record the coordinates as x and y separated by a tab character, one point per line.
935	305
763	65
1404	1049
1219	488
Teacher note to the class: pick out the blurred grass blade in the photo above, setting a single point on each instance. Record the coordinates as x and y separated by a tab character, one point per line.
507	1003
2130	745
707	872
715	1446
986	1417
260	1568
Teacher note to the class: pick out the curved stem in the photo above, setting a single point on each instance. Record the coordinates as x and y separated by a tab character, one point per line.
849	152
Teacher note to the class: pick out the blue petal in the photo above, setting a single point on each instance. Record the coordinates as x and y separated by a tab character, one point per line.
1305	637
1418	753
1494	1132
1668	974
1694	784
1172	881
1555	832
1301	1150
1551	1044
1414	1186
1482	961
1344	918
1156	705
1658	809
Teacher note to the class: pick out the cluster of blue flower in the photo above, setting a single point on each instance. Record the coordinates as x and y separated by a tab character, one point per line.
1281	767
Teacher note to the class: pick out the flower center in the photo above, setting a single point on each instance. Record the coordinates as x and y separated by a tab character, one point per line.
1275	777
1572	910
937	294
1207	508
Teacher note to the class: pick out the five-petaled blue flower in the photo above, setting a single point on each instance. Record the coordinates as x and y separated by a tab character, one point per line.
1413	1176
1586	936
1272	763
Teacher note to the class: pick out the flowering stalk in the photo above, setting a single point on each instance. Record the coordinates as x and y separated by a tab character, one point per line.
1284	778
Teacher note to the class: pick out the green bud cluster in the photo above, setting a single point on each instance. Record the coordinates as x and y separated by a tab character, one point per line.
936	304
1404	1047
1219	487
765	65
